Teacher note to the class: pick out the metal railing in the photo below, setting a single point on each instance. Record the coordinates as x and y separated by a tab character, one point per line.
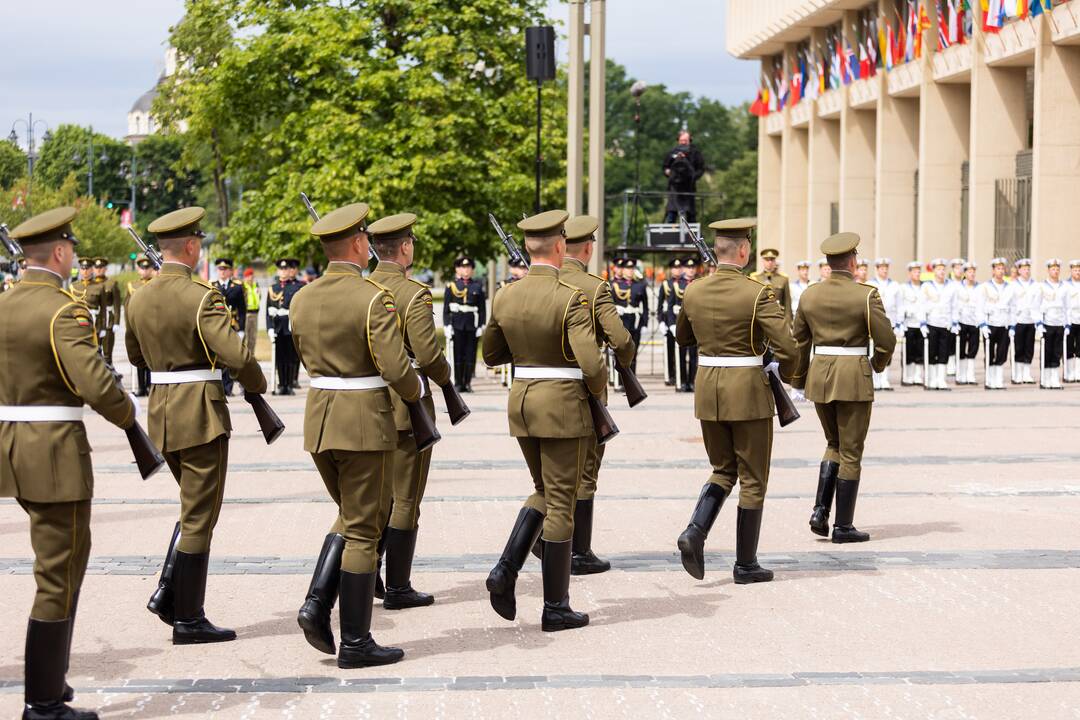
1012	218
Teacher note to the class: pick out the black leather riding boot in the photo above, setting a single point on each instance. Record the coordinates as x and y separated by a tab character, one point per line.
692	541
847	491
190	625
314	615
161	602
557	614
399	594
747	532
357	648
583	561
47	647
826	484
503	577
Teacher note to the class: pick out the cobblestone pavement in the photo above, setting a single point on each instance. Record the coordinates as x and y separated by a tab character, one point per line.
963	605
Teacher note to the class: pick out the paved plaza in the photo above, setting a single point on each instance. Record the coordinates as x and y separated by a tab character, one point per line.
962	606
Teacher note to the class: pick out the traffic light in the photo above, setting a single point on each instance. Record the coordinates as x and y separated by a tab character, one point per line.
109	204
132	256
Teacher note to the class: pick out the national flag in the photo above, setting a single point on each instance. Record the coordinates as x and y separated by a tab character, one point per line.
852	64
943	27
823	76
835	75
872	46
1037	7
892	50
760	106
883	42
956	30
783	92
994	16
796	85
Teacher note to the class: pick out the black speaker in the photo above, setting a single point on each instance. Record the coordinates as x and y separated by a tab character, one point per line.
540	53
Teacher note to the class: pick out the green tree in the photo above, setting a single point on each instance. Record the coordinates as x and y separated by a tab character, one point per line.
12	163
68	152
415	105
739	185
163	179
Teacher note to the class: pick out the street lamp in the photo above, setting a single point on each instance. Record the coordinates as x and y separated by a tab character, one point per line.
30	123
77	159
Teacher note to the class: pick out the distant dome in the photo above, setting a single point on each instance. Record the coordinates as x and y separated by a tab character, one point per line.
146	100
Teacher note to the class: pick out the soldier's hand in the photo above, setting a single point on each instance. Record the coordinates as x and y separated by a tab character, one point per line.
479	331
448	331
116	328
899	330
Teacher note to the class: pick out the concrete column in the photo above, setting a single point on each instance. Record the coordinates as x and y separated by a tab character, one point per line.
794	178
597	115
998	133
1056	151
897	161
858	141
575	101
944	125
770	158
823	164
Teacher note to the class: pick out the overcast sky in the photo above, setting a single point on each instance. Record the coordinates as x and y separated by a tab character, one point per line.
86	62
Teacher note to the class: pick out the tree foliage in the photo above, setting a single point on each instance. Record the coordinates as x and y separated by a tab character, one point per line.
12	163
408	105
68	151
164	181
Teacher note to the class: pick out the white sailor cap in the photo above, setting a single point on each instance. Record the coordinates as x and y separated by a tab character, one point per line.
1052	262
1074	263
1023	262
971	264
938	262
999	261
956	261
822	262
803	264
914	265
882	261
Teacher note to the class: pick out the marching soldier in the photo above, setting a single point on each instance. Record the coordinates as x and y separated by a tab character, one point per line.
1072	353
609	330
839	320
1051	315
799	284
278	302
146	273
967	312
89	290
80	287
395	243
1025	307
735	320
889	291
545	327
939	304
109	316
688	354
352	355
233	291
41	408
464	317
994	309
778	281
251	307
631	298
665	320
912	314
180	328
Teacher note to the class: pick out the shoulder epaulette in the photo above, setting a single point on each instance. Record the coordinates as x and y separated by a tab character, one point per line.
199	281
867	285
417	282
379	285
754	279
596	277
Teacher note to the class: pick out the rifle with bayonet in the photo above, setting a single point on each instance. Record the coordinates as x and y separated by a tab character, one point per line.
425	434
269	422
12	248
786	412
603	424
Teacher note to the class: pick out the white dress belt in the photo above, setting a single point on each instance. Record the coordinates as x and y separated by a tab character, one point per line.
40	413
547	373
179	377
277	312
464	307
628	309
837	350
729	360
370	382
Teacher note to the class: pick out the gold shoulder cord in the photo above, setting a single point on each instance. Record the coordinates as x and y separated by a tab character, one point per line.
198	328
620	294
460	294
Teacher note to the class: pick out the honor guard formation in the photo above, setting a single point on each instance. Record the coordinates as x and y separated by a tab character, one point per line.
369	342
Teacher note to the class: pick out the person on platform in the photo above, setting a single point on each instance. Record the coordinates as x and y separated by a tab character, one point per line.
665	320
995	311
278	326
912	312
544	326
1026	294
610	332
939	304
1050	328
683	167
355	357
464	317
967	314
180	327
1072	345
734	320
770	275
631	297
233	292
840	320
45	464
799	284
889	292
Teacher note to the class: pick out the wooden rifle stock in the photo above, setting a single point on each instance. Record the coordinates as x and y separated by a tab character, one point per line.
635	393
786	412
269	422
455	404
603	424
147	457
424	431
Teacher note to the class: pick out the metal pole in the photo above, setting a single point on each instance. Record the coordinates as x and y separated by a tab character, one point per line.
597	111
30	160
539	161
133	180
90	159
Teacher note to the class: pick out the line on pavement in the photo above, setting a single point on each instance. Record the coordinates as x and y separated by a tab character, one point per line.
304	685
815	561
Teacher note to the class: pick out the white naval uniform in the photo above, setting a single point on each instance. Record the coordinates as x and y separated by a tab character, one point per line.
995	310
1052	315
889	290
939	304
967	314
1072	309
912	315
797	287
1025	312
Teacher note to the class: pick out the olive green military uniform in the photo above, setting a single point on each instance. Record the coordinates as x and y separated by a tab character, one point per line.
180	328
410	468
839	320
91	292
778	281
348	335
733	320
49	364
109	315
608	329
133	286
545	327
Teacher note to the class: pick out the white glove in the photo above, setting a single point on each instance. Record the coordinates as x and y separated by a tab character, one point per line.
899	331
984	331
1039	332
116	328
240	333
479	331
662	329
925	331
773	367
1012	333
101	334
448	331
798	396
272	333
671	330
955	329
1066	331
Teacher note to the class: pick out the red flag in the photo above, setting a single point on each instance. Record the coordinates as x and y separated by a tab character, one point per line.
759	108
